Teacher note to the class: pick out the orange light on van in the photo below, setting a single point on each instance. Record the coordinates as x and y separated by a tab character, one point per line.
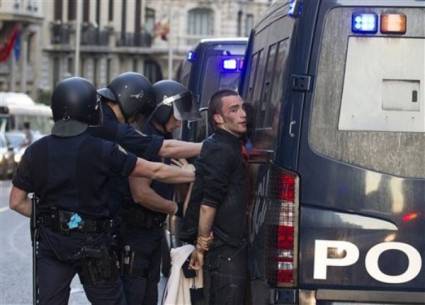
393	23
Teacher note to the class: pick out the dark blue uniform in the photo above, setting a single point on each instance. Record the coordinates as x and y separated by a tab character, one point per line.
70	176
146	146
142	231
130	139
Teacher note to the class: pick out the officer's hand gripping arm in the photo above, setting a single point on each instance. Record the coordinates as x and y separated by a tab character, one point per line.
19	201
143	194
162	172
179	149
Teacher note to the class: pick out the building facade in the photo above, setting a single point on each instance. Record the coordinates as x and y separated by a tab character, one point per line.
191	20
20	36
146	36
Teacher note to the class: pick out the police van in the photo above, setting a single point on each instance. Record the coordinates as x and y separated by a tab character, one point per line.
214	64
337	159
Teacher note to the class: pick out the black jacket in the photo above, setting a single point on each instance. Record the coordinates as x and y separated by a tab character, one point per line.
221	182
72	173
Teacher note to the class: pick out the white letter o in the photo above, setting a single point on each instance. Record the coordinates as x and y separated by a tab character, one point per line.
413	268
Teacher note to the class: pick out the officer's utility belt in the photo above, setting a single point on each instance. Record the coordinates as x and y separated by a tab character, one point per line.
138	218
66	222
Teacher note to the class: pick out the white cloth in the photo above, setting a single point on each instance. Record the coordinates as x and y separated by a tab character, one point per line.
178	287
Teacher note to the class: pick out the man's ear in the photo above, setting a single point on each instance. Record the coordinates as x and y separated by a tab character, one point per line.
218	118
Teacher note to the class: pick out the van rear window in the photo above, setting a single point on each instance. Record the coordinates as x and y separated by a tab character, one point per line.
368	107
382	91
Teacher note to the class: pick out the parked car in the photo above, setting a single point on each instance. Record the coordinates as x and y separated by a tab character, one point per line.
7	155
18	142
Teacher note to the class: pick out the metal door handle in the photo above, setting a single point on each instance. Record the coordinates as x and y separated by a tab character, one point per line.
291	124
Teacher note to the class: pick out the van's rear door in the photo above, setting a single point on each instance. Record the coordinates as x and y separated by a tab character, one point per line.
362	160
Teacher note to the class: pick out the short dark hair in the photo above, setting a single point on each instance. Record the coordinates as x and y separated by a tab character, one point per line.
216	104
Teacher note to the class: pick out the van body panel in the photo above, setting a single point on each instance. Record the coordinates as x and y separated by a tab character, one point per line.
361	188
330	184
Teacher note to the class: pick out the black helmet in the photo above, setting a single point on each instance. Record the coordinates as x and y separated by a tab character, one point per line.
133	93
75	98
173	98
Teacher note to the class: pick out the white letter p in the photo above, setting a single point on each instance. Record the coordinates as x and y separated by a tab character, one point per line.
322	261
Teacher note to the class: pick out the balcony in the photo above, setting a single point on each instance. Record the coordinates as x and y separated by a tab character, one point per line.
28	11
91	36
60	33
142	39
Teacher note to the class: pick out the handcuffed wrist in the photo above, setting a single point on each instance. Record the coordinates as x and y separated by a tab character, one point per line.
202	242
200	249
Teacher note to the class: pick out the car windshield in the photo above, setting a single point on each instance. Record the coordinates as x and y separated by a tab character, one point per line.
16	139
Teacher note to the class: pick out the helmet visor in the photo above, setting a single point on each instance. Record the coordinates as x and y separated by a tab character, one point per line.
107	93
184	106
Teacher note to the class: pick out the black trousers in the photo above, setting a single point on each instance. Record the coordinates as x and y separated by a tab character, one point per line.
58	263
226	276
141	282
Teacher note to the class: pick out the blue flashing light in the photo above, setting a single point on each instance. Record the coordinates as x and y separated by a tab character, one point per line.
191	56
230	64
295	8
366	23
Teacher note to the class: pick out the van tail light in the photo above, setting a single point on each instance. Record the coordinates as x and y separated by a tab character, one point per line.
283	229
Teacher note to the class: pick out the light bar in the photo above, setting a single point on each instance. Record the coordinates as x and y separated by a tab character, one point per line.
230	64
241	64
365	23
295	8
393	23
191	56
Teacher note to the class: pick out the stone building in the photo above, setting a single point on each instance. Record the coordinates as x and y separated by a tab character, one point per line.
134	35
20	27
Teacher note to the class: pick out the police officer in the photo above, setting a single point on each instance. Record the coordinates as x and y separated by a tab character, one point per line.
68	171
127	96
142	232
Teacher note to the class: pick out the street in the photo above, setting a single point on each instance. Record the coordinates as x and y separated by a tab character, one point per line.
15	257
16	261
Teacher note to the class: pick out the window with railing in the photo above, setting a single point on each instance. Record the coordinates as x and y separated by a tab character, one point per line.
249	23
200	22
57	10
149	20
98	13
152	70
86	11
72	9
137	17
111	10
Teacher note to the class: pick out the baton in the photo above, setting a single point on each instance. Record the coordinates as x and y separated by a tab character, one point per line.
34	232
